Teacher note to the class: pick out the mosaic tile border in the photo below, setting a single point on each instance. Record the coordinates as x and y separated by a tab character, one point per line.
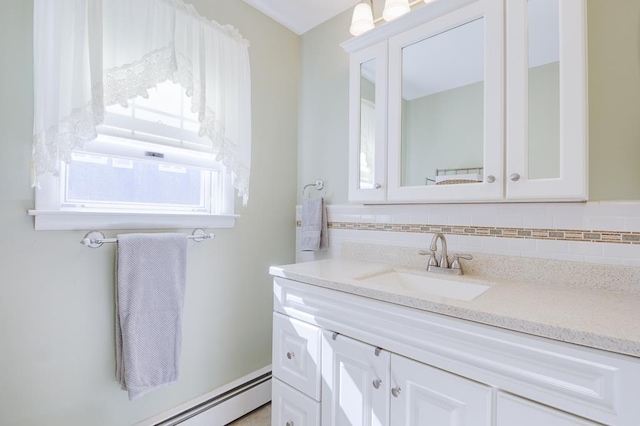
616	237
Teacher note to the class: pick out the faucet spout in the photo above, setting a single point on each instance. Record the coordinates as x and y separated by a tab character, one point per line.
444	259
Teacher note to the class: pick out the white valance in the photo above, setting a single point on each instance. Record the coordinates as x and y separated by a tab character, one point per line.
89	54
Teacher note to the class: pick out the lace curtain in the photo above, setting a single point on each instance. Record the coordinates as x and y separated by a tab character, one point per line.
89	54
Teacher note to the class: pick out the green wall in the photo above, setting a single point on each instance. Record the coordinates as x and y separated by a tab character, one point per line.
56	302
614	106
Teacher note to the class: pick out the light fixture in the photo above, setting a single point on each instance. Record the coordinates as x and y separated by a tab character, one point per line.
394	9
362	20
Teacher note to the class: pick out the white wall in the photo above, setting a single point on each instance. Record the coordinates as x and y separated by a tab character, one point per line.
56	301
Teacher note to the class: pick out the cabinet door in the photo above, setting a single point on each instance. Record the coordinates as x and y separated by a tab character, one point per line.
426	396
517	411
296	354
368	124
547	145
292	408
355	383
446	107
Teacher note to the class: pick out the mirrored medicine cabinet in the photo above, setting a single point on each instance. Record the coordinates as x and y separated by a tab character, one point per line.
464	100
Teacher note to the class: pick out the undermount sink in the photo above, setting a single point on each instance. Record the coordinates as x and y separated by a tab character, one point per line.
395	280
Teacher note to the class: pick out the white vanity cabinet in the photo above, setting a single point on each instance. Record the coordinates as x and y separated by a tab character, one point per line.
378	363
366	385
471	100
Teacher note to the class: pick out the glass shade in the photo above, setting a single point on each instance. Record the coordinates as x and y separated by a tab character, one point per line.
394	9
362	20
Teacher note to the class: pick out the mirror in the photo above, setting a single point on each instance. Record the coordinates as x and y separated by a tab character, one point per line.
544	89
443	107
367	124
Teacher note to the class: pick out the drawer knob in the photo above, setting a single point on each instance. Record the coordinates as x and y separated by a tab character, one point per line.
290	355
491	178
514	177
395	392
289	424
377	383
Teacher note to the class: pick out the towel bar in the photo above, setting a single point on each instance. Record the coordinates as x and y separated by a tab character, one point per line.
95	239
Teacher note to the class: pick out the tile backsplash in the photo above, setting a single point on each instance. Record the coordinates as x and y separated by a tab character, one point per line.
594	232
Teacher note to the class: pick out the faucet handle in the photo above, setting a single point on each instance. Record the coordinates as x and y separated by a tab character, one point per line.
432	257
455	263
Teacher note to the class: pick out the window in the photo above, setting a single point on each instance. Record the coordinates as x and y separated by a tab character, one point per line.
148	167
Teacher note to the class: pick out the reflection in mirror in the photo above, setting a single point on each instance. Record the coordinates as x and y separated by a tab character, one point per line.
367	123
544	89
443	107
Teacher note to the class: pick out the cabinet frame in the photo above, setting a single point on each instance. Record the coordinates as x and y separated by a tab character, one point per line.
572	184
492	11
377	52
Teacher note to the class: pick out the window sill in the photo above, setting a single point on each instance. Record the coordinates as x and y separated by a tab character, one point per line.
50	220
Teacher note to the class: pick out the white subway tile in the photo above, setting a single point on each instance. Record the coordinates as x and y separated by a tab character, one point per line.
632	224
438	219
495	243
537	222
483	220
459	220
521	244
565	221
509	221
552	246
603	260
605	223
620	208
628	251
584	248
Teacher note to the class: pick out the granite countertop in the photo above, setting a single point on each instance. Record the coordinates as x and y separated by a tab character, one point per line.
598	315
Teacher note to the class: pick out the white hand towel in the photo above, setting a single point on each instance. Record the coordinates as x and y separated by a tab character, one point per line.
314	233
151	276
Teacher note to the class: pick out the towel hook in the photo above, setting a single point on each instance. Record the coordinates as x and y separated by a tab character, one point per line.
318	184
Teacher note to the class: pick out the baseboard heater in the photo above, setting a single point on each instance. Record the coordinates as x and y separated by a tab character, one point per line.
224	405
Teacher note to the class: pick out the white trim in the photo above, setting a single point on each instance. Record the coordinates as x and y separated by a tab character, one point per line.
226	411
52	220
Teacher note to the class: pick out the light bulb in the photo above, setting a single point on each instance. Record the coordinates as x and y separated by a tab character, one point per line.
362	20
394	9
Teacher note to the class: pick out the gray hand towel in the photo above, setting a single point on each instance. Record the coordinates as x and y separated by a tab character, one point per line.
151	275
314	232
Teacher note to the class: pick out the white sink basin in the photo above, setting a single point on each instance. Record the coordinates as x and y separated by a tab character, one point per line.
403	282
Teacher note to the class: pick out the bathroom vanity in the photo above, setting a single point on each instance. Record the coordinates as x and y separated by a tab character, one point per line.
354	343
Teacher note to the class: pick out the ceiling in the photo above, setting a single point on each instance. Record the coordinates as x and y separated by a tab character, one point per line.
301	15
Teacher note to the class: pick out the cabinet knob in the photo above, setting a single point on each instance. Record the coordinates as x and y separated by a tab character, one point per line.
491	178
290	355
377	185
377	383
395	392
514	177
289	424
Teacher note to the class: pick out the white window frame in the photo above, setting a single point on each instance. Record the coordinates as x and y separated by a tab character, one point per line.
51	214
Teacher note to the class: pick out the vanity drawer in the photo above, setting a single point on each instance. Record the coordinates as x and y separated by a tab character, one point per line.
296	354
292	408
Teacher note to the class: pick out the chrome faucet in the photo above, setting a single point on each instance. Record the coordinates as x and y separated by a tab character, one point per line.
444	257
442	265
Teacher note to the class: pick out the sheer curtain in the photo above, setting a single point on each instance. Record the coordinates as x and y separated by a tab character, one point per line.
89	54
